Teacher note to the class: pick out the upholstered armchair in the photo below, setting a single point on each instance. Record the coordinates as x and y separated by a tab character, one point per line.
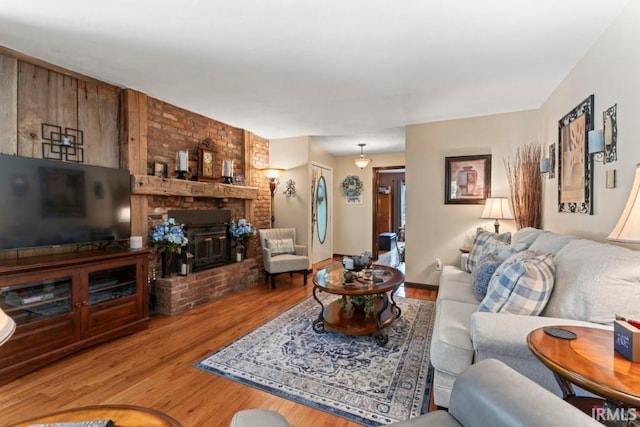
281	254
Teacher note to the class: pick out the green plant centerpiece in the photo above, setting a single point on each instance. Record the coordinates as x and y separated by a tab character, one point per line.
364	303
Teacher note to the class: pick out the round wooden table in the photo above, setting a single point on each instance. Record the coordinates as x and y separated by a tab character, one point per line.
121	415
590	362
343	318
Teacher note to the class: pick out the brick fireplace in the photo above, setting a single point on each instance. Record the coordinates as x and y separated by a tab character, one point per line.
169	130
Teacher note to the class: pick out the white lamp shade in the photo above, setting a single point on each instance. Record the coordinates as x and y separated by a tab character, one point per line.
7	327
596	141
362	162
627	230
497	208
272	172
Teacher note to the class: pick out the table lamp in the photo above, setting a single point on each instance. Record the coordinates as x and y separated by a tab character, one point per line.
497	208
7	327
627	230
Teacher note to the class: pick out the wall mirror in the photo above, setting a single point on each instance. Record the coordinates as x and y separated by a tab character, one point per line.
610	131
322	207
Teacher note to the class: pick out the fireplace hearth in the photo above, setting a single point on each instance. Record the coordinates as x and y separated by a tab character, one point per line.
208	234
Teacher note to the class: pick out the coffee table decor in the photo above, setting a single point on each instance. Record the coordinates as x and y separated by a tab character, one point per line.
349	376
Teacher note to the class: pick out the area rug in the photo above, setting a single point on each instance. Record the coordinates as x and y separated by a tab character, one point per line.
351	377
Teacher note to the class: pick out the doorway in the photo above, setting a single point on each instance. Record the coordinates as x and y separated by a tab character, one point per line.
389	209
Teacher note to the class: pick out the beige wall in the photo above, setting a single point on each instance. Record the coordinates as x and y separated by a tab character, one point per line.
611	71
292	154
353	224
433	229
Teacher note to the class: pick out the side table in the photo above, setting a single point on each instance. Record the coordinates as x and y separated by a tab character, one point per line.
121	415
590	362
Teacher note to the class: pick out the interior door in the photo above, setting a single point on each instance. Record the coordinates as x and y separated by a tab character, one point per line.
384	215
322	213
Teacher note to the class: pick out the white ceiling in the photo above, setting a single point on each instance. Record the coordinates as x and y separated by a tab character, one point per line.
358	69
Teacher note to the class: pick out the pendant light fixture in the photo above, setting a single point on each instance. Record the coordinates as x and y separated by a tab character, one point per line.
362	162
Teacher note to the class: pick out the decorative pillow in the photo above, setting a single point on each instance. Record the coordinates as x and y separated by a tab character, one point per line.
485	244
524	287
481	275
280	246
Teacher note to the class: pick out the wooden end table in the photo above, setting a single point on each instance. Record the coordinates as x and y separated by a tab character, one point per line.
343	318
590	362
121	415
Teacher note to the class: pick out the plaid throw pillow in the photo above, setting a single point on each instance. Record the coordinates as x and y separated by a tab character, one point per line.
522	287
485	243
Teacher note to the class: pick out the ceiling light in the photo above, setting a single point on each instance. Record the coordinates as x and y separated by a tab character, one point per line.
362	162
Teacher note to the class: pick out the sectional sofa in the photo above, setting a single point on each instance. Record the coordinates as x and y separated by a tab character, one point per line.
579	282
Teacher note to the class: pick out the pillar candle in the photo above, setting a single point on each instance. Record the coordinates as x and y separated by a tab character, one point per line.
182	161
228	168
135	242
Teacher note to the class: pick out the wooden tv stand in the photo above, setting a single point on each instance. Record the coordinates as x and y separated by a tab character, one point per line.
63	303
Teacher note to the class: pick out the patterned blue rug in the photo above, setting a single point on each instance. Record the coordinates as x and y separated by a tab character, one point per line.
351	377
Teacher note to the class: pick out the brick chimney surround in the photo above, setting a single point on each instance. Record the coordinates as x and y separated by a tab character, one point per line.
170	129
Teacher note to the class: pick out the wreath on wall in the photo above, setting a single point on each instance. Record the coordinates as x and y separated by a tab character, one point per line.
352	186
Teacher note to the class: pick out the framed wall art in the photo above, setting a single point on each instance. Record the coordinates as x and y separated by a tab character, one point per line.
575	185
160	169
610	133
467	179
552	161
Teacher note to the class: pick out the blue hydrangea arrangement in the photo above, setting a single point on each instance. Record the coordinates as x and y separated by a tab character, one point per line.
242	231
169	236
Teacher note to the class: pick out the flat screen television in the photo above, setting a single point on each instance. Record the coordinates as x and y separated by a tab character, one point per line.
51	203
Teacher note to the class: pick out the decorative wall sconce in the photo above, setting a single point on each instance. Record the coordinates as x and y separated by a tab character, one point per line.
548	164
362	161
603	143
182	163
273	174
59	145
290	191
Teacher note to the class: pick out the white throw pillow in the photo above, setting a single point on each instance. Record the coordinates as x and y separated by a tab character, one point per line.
594	281
522	287
280	246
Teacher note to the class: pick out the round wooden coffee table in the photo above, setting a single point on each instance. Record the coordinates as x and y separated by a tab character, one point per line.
121	415
344	318
590	362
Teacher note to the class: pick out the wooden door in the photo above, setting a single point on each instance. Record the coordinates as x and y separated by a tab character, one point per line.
383	208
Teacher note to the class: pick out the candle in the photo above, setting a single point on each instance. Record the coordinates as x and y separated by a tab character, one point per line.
182	161
183	269
135	242
228	168
238	256
544	165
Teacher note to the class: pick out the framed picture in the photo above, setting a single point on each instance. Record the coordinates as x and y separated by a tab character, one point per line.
206	161
552	161
238	179
575	185
467	179
160	169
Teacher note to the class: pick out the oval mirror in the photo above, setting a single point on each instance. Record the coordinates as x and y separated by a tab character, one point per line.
322	207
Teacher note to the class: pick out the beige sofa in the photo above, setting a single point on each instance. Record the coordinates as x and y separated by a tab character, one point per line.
593	281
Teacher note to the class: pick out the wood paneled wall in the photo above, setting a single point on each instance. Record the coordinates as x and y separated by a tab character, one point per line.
36	95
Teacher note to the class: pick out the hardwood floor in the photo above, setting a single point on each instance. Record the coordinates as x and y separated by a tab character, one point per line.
153	368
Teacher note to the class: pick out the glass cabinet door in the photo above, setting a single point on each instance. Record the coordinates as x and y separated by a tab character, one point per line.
114	283
28	302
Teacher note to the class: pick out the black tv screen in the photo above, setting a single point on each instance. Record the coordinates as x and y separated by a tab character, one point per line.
50	203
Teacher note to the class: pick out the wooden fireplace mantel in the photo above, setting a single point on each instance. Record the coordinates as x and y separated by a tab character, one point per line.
154	186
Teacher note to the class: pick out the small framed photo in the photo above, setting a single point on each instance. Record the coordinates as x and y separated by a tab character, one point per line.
238	179
160	169
467	179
